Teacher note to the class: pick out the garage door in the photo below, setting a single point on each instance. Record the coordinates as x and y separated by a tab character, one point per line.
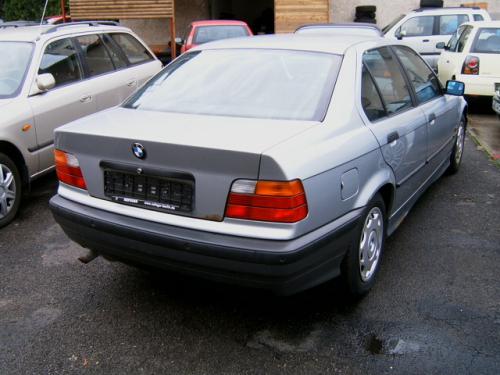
292	13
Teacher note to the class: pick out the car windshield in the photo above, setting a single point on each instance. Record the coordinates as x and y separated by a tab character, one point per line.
255	83
392	24
341	30
487	41
205	34
14	63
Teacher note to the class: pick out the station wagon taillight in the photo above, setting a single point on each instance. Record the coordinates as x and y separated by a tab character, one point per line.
68	169
471	65
273	201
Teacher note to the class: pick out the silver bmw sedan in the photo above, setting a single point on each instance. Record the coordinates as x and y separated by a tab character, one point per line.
276	162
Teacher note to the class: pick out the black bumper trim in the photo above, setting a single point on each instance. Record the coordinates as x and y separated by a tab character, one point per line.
284	266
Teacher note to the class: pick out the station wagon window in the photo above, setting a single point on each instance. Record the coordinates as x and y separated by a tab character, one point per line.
370	98
134	50
453	42
422	78
487	41
449	24
386	72
418	26
250	83
96	55
116	55
478	17
61	60
462	41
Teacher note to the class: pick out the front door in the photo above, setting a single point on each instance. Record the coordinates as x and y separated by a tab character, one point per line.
69	100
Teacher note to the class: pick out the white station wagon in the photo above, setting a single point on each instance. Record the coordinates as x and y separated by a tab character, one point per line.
51	75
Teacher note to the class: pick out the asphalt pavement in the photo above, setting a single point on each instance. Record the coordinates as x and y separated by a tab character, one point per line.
434	310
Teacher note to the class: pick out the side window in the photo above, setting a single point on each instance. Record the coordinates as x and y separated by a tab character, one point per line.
386	72
370	98
134	50
61	60
462	41
453	42
422	78
449	24
96	55
117	57
418	26
478	17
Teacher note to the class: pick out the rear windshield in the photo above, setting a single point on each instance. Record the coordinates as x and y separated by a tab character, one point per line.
205	34
487	41
270	84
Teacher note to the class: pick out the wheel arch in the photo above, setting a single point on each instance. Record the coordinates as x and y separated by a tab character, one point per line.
17	157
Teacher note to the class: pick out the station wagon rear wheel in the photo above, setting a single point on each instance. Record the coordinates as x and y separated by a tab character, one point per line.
10	190
362	261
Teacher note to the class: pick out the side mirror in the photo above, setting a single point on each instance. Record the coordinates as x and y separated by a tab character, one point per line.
45	82
441	45
455	88
179	41
400	34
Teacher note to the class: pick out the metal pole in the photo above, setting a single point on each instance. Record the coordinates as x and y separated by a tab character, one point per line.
63	11
173	45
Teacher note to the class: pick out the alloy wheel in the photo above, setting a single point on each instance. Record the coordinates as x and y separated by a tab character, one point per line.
7	190
370	244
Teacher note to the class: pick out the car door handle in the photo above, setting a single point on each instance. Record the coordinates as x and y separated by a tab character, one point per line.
86	99
432	119
392	137
132	83
426	40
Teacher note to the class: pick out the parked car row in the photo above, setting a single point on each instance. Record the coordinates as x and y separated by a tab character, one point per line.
208	168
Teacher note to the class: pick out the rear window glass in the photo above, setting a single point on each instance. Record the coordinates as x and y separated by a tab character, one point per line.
205	34
449	24
134	50
487	41
270	84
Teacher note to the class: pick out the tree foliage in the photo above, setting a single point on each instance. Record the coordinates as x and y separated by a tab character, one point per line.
28	9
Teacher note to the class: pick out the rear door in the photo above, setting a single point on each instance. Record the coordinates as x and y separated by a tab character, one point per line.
418	33
399	127
70	99
439	110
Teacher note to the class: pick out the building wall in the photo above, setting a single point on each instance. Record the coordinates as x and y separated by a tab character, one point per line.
156	32
387	10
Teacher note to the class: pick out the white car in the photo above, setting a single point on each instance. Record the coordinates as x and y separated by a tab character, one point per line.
51	75
472	56
424	28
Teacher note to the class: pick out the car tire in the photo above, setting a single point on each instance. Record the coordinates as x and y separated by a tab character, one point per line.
458	148
431	3
366	9
10	190
362	261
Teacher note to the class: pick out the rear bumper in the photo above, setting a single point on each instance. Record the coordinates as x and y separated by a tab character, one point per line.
478	85
284	267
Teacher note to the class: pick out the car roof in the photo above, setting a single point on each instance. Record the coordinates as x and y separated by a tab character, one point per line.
298	42
448	10
342	26
483	24
218	23
34	33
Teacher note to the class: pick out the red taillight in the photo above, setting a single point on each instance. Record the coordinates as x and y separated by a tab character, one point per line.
68	169
275	201
471	65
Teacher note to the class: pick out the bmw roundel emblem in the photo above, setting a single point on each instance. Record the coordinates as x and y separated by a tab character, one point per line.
139	151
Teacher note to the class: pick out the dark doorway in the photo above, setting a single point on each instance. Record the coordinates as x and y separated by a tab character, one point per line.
258	14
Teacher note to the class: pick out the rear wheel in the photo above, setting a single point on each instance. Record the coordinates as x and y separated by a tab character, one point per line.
10	190
458	148
362	261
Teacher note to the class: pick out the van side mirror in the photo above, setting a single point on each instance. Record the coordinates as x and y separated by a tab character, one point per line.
45	82
455	88
400	34
441	45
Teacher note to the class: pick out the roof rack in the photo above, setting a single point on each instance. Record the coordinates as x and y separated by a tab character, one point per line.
16	24
437	8
55	28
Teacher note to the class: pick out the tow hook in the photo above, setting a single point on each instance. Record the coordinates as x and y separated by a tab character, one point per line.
89	257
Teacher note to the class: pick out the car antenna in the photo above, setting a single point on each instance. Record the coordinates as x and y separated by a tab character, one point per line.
44	10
